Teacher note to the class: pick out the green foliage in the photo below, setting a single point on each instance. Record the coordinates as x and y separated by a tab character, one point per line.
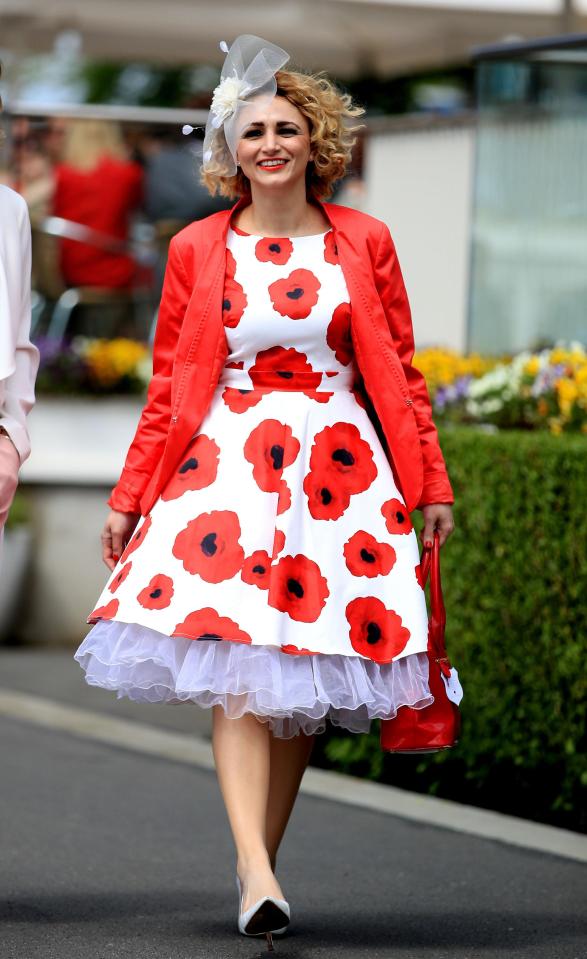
19	514
143	84
515	584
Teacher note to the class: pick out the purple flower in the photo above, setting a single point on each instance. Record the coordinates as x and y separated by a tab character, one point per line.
461	387
440	398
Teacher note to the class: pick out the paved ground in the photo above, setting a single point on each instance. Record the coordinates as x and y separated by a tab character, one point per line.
56	675
109	853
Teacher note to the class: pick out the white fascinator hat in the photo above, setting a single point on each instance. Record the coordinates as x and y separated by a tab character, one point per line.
248	73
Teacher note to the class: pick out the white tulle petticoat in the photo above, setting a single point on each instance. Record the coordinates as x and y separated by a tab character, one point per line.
291	693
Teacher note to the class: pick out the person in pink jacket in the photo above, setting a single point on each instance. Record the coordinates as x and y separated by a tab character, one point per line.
19	358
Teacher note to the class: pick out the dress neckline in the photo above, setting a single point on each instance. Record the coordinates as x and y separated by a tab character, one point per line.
260	236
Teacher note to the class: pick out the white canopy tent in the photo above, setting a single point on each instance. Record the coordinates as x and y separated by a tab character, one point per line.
344	37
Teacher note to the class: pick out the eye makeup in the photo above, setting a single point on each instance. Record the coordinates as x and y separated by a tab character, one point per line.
286	128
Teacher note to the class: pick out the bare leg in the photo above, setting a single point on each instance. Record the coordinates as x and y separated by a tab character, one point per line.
242	755
289	758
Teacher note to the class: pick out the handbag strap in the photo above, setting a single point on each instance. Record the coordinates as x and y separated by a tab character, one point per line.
430	564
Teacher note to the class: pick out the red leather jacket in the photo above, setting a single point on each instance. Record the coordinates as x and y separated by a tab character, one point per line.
190	350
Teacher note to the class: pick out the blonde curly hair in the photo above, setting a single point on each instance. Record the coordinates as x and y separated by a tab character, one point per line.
332	138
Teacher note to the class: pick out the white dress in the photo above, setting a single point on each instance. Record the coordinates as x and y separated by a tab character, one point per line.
278	572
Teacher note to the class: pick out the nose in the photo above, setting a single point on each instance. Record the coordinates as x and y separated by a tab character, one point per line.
270	144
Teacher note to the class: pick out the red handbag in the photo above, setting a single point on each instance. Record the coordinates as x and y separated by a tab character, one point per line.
437	726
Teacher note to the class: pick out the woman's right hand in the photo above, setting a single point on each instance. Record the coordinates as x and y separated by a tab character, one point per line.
117	531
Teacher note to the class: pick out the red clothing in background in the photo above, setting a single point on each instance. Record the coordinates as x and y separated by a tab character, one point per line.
103	199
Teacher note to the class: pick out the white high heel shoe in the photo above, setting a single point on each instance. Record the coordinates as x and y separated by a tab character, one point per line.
263	917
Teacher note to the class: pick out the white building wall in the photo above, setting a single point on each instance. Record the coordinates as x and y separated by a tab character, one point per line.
419	181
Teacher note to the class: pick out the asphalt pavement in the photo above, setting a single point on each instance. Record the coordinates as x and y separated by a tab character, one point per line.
107	852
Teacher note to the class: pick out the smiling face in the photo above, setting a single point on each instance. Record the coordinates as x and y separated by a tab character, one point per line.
274	144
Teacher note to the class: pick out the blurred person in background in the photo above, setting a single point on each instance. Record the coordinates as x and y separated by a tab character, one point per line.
173	194
97	185
19	359
274	575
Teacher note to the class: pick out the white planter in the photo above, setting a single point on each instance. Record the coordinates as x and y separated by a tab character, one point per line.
16	562
78	449
80	440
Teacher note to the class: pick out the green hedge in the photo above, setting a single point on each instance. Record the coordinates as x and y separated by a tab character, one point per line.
515	584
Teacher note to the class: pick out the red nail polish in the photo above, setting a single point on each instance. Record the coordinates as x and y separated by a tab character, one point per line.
115	557
428	544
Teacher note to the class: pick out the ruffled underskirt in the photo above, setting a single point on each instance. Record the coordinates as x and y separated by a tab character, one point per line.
292	694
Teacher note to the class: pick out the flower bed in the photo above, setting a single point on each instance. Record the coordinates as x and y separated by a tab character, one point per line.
93	366
546	389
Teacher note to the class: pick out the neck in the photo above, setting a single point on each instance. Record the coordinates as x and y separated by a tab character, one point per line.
275	213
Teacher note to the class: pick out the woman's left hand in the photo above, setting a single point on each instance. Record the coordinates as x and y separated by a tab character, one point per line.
437	516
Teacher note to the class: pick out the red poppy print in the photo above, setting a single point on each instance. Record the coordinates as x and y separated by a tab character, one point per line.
298	588
198	468
234	302
375	632
330	248
419	576
295	295
326	497
120	577
136	539
338	334
340	450
285	369
397	518
235	365
209	546
158	593
360	397
239	401
271	250
257	569
208	624
292	650
278	542
284	498
108	611
364	556
270	447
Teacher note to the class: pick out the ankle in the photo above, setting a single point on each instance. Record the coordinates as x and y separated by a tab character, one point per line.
255	862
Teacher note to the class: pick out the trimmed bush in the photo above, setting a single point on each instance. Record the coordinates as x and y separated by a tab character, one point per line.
515	584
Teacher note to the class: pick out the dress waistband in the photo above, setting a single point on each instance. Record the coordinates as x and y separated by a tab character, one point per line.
326	381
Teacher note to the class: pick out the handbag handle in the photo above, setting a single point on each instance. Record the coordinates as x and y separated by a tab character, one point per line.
437	620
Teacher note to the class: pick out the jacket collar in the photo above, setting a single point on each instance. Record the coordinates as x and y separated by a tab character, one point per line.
244	201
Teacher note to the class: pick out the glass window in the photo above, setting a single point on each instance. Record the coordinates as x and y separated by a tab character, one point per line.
529	226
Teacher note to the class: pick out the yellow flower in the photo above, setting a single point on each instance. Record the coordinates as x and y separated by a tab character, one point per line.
442	366
111	360
555	425
567	393
532	366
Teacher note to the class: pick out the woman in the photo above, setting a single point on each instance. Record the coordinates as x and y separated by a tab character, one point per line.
274	577
19	359
98	186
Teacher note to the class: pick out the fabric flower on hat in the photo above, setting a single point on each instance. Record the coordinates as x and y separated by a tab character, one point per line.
225	97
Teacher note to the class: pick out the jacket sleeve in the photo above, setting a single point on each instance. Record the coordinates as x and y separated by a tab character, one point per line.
18	393
392	291
147	446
